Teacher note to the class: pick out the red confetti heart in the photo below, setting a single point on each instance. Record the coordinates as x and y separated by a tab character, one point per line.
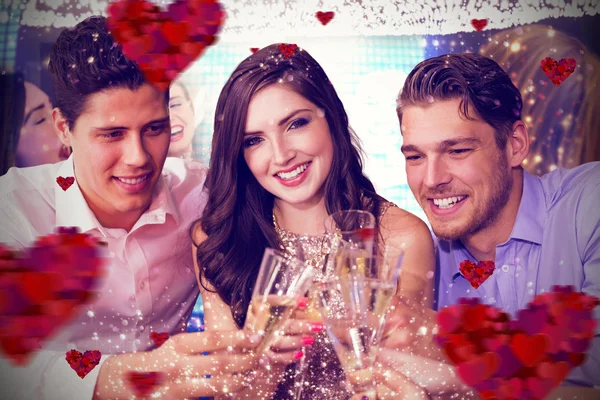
528	366
159	338
479	24
287	50
478	273
558	71
324	17
65	183
480	368
143	383
164	43
254	49
529	349
557	371
43	287
83	363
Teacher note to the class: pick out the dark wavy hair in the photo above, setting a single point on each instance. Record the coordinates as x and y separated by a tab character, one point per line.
86	60
13	110
238	216
477	80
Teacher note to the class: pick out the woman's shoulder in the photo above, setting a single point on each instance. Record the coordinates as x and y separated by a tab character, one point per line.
397	221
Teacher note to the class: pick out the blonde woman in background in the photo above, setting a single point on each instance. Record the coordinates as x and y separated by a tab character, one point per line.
563	122
181	113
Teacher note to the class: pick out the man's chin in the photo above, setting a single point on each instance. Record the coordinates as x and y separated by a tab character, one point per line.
447	233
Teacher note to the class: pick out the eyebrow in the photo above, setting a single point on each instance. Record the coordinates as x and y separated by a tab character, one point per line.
283	121
124	128
443	146
41	106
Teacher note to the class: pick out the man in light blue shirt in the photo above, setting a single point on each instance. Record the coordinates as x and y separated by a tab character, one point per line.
464	143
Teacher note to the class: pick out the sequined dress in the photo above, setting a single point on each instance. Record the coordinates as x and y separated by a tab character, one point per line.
324	377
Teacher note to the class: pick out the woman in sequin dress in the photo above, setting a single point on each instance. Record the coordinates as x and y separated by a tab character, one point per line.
283	159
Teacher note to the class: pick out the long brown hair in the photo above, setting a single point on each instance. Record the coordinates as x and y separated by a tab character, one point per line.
238	216
13	110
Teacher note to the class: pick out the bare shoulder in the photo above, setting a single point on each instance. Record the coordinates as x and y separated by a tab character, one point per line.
400	225
403	230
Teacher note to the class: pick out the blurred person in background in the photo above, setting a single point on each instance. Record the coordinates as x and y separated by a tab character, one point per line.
28	137
181	112
563	121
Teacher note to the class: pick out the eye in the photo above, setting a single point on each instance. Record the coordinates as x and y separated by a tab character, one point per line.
112	135
459	151
299	123
41	121
412	158
252	141
156	129
173	105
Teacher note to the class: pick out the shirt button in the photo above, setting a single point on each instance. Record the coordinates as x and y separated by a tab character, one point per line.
142	285
505	268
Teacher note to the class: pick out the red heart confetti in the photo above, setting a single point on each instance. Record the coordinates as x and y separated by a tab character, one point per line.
558	71
143	383
83	363
478	273
254	49
324	17
65	183
164	43
159	338
504	358
42	287
479	24
287	50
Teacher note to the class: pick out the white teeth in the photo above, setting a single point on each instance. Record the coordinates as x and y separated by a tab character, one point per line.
292	174
447	202
176	131
133	181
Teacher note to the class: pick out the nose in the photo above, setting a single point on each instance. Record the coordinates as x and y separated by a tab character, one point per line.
135	153
282	152
437	173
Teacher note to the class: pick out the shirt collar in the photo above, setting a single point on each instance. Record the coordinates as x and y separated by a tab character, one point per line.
162	205
72	208
531	216
529	223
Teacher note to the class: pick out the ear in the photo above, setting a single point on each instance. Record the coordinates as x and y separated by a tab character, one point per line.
518	144
61	127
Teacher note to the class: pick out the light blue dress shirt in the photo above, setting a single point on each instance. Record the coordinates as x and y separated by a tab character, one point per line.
555	241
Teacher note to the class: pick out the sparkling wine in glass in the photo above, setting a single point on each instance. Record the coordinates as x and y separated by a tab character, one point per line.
350	329
280	285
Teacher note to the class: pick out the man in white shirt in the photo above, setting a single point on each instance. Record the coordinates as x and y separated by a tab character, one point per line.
127	195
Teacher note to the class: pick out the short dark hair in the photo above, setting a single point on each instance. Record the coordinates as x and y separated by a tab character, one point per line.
86	60
477	80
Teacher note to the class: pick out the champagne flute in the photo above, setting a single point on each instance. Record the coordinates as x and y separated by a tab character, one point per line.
280	285
354	306
350	229
349	327
353	226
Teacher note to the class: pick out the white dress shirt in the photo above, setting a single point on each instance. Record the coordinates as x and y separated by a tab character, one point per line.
149	283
